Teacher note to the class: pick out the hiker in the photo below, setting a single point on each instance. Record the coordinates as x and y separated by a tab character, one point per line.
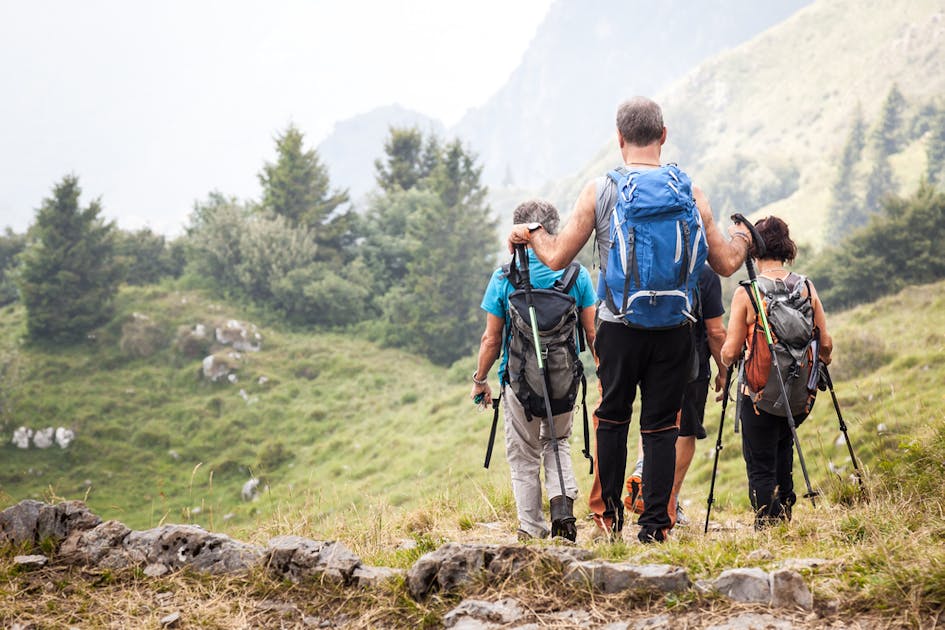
527	442
767	441
708	336
654	354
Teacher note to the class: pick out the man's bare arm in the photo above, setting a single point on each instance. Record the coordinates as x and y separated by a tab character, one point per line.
725	257
558	250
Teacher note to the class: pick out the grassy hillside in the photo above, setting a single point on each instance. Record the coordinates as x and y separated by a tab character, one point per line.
337	428
374	447
774	113
327	422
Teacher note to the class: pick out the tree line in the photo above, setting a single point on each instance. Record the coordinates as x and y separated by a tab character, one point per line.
408	271
864	174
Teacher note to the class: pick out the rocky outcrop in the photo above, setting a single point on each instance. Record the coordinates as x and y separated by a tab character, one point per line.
80	537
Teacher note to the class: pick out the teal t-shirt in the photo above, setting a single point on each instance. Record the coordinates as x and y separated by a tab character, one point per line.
496	298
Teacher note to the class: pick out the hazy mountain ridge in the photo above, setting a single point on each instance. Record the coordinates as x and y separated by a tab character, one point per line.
559	103
784	102
539	125
350	149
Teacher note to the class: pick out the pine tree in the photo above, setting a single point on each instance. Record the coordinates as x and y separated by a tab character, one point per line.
297	187
935	150
68	274
888	137
438	250
406	160
846	209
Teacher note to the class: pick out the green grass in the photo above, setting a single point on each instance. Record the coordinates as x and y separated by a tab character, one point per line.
336	425
383	451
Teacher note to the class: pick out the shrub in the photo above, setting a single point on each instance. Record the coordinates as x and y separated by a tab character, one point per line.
863	353
141	336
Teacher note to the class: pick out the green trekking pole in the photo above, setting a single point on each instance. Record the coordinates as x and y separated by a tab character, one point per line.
762	317
718	449
825	374
533	318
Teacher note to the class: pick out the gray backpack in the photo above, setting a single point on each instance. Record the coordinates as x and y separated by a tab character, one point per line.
560	335
790	314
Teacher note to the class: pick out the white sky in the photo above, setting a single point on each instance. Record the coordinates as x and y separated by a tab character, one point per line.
155	104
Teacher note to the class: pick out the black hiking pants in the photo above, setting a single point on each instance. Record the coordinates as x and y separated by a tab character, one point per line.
659	362
768	449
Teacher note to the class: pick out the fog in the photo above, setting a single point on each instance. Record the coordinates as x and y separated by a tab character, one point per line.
154	105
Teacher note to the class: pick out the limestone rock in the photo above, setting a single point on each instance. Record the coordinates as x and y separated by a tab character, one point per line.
504	611
18	522
788	590
753	621
243	337
613	577
30	562
751	586
156	570
447	567
295	558
372	577
101	546
177	546
29	522
60	520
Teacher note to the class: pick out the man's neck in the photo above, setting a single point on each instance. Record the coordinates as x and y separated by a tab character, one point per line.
641	156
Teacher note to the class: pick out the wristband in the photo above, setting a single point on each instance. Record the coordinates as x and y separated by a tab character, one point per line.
477	381
742	235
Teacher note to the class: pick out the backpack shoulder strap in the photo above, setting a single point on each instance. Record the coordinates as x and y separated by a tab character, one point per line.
568	278
615	175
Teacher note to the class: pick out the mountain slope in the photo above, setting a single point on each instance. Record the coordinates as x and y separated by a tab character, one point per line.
776	110
558	105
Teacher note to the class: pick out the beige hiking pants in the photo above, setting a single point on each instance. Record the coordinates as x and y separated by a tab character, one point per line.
527	446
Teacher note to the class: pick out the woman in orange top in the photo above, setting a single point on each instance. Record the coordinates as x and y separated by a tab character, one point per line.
767	443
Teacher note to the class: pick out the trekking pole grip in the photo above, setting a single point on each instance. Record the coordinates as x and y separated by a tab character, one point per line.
756	239
522	257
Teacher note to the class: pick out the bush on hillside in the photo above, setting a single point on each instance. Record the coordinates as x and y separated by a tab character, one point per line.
862	354
319	295
147	257
902	247
142	337
11	244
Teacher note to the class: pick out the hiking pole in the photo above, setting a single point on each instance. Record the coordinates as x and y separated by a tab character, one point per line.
495	422
843	426
739	388
761	316
718	449
533	318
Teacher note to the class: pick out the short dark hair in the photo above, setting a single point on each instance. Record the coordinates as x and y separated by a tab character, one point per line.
538	210
777	237
640	121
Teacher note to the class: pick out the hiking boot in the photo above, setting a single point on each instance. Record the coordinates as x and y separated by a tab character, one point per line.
634	499
563	522
649	536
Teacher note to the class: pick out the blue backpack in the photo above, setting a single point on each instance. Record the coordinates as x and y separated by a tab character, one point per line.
657	249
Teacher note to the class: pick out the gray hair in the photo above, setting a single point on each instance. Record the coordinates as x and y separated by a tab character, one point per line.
640	121
538	210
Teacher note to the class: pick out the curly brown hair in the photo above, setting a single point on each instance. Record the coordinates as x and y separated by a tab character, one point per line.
777	238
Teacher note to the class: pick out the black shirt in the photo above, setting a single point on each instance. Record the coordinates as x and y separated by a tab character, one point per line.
710	299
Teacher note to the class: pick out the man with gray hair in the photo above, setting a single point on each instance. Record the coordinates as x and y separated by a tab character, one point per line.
528	444
655	358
